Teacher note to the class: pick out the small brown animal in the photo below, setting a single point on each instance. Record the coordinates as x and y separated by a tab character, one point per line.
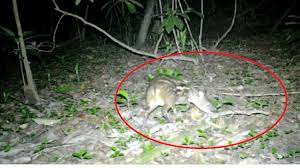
162	92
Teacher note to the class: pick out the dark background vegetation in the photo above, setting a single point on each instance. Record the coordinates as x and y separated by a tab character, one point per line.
40	18
75	83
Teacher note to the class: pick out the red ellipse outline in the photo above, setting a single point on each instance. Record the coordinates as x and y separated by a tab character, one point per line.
194	53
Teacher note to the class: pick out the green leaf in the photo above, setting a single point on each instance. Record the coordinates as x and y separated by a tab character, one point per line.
121	100
150	77
77	155
202	133
136	3
272	133
160	71
178	23
131	8
257	104
177	75
63	89
168	72
262	145
82	154
188	141
77	2
252	133
87	156
123	94
7	147
229	100
113	148
293	153
216	103
116	152
93	111
243	155
27	34
133	100
84	102
168	24
148	148
7	32
274	150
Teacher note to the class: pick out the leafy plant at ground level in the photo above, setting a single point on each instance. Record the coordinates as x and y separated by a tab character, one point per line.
172	21
188	141
26	114
217	103
202	133
174	74
63	89
42	145
148	148
82	154
116	152
94	110
257	103
7	147
70	109
6	98
124	98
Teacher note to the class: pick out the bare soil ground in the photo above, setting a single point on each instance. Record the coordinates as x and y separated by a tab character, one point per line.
76	121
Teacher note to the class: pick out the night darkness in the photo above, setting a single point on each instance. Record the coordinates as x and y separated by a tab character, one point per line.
60	84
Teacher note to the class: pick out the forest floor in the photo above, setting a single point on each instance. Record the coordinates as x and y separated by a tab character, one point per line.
76	120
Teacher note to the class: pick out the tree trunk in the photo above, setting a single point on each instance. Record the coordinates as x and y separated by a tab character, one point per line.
145	24
83	30
30	91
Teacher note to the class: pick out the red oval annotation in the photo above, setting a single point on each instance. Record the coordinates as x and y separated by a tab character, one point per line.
203	53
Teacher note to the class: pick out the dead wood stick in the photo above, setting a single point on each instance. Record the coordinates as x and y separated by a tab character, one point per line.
258	94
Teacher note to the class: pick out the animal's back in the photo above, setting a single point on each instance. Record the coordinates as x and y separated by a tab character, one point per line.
161	92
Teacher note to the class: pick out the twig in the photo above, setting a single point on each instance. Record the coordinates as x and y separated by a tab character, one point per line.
53	38
213	115
283	16
36	36
291	23
162	34
158	42
259	94
102	31
174	7
201	26
182	58
294	16
238	112
188	26
230	27
176	40
251	9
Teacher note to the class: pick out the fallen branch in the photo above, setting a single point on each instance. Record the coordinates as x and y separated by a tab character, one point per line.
259	94
239	112
213	115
